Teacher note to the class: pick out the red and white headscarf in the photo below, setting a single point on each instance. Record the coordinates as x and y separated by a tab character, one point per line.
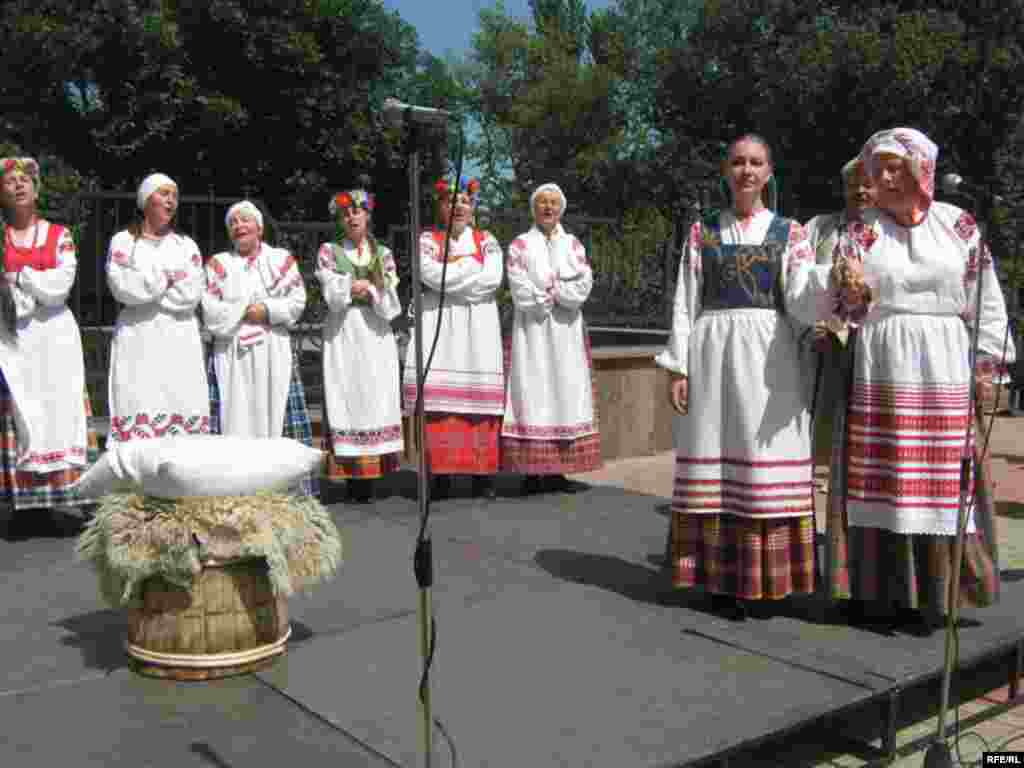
920	151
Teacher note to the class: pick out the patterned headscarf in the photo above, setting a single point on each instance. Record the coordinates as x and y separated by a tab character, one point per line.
151	184
342	201
248	208
26	165
920	151
549	187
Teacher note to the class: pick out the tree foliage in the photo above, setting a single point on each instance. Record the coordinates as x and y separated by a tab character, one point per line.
278	99
818	79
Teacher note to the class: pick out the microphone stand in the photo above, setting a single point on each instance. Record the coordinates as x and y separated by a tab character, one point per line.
938	754
423	564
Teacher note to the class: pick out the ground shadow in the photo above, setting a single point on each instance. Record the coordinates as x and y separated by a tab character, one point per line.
99	636
208	755
23	525
1011	509
300	633
1010	458
1012	574
636	582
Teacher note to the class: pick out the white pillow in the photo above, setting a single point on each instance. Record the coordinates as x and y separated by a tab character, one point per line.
200	465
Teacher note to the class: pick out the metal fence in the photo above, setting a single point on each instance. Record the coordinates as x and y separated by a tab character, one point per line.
632	288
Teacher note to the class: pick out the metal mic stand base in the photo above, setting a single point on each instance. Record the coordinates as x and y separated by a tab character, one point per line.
938	756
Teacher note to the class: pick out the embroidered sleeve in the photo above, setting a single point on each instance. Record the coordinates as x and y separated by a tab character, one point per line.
287	298
186	280
993	339
384	299
571	292
50	287
687	305
336	286
466	278
527	296
221	315
132	280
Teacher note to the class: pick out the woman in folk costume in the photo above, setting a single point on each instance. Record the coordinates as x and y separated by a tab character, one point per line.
909	273
158	380
46	442
464	395
743	511
550	425
361	387
831	337
254	296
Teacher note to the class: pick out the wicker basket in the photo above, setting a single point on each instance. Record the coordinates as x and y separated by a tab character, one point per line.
228	623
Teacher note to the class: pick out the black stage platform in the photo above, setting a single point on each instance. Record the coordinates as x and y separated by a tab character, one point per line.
559	645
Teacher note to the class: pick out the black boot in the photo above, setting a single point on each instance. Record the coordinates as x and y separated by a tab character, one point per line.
532	485
729	607
360	490
483	487
440	487
556	483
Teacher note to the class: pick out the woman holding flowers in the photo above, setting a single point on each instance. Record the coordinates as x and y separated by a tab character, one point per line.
743	511
831	338
43	417
464	394
550	425
158	380
254	296
363	435
909	274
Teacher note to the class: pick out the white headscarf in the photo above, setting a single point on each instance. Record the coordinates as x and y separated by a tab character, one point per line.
247	207
549	187
920	151
151	184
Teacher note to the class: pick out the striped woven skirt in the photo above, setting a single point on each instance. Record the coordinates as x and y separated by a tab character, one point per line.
899	570
297	424
552	457
31	490
743	505
743	557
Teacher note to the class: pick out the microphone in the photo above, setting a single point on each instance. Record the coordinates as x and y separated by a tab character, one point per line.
953	183
395	112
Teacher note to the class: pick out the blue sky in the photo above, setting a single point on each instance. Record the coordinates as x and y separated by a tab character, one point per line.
449	25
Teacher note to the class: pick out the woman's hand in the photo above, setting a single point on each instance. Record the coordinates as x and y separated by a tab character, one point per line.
256	314
848	276
822	340
360	289
679	394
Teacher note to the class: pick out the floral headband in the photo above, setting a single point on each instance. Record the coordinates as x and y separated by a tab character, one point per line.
357	198
26	165
469	187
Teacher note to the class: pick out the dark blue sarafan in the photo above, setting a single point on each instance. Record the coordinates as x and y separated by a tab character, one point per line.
743	276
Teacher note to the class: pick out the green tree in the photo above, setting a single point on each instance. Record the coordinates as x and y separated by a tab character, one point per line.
278	99
818	79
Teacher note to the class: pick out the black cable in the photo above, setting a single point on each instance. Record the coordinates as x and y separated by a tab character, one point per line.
423	568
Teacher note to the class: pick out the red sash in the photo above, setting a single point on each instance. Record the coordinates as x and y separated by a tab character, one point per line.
44	257
478	241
